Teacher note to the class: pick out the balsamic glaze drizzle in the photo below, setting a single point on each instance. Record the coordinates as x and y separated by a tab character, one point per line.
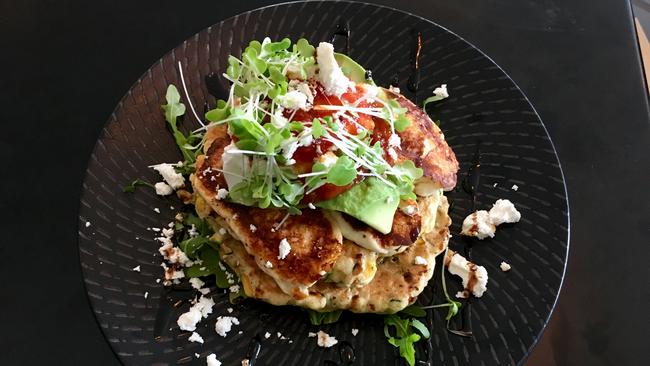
413	83
342	30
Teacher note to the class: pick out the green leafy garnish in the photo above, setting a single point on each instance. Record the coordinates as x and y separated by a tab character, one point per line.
414	310
137	183
405	336
189	145
320	318
342	172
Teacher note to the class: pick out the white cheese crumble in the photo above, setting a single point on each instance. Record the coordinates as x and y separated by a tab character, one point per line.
504	211
302	87
441	91
163	189
168	233
420	261
505	267
196	337
187	321
311	206
515	187
461	267
245	362
146	294
409	210
394	89
197	355
278	120
193	232
325	340
284	249
196	283
355	331
395	141
267	335
221	194
224	324
136	268
311	334
212	360
253	228
293	100
222	231
229	310
156	210
330	74
268	264
87	223
169	174
478	224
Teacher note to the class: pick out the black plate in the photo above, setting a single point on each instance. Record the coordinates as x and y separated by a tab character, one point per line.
486	109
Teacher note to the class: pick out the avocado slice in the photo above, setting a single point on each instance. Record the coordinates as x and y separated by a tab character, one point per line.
370	201
352	69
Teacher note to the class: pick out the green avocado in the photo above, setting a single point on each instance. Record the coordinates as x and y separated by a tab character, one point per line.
370	201
352	69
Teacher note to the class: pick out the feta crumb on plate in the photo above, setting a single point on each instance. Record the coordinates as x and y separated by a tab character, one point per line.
221	194
212	360
504	211
253	228
268	264
310	205
224	324
478	224
355	331
156	210
87	223
196	337
505	267
284	249
515	187
146	294
169	174
196	283
136	268
465	269
325	340
267	335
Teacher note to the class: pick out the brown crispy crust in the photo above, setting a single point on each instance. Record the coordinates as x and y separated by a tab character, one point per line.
423	142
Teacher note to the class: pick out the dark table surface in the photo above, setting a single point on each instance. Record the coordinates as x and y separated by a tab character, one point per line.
65	65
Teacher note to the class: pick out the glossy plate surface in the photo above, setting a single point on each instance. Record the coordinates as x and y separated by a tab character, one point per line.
486	109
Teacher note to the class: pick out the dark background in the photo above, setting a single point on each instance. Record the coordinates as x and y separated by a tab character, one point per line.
64	65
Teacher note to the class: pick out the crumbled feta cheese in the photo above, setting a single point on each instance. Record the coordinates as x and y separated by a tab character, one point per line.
221	194
196	283
195	337
222	231
87	223
224	324
169	174
392	153
515	187
157	280
212	360
168	233
504	211
268	264
311	206
395	141
409	210
156	210
204	305
325	340
171	253
420	261
461	267
441	91
478	224
187	321
253	228
229	310
267	335
355	331
197	355
311	334
293	100
193	232
505	267
234	288
330	74
146	294
278	120
394	89
461	295
284	249
163	189
136	268
171	273
302	87
245	362
495	184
